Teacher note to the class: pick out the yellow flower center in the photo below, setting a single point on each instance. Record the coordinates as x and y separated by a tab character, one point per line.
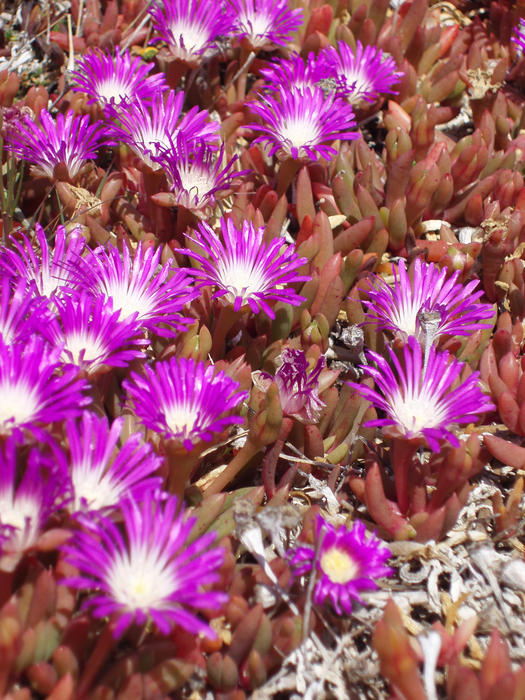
338	565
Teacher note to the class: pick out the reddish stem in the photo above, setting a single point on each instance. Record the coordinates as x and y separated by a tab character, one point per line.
270	459
402	452
103	648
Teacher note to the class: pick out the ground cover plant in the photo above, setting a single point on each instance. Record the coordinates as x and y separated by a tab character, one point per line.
262	375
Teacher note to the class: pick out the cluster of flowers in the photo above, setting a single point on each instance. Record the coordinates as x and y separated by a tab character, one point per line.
71	315
302	106
420	393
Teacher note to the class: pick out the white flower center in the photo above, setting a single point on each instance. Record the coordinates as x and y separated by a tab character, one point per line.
142	578
418	409
193	36
196	181
241	278
299	131
359	83
93	489
181	418
338	565
112	88
84	349
257	28
128	300
18	404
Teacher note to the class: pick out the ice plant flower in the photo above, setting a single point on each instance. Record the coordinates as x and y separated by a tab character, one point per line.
295	72
265	21
298	385
244	269
190	27
361	75
103	473
519	39
185	400
299	123
139	287
427	302
149	573
151	128
22	314
116	80
344	562
69	142
423	401
92	336
29	494
51	271
36	388
198	175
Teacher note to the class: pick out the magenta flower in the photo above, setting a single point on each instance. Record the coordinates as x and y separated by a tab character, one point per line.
295	72
149	573
190	27
116	80
92	336
149	129
36	388
427	303
423	400
519	39
197	175
184	400
154	296
104	473
30	491
52	270
244	269
70	142
299	123
298	385
265	21
21	313
348	561
363	75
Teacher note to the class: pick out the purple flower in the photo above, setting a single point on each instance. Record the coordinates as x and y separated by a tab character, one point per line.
190	27
265	21
148	129
36	388
50	272
295	72
154	296
92	336
245	269
21	313
298	385
346	563
149	573
184	400
103	473
361	75
197	176
298	123
519	40
30	491
117	80
427	303
69	141
423	400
